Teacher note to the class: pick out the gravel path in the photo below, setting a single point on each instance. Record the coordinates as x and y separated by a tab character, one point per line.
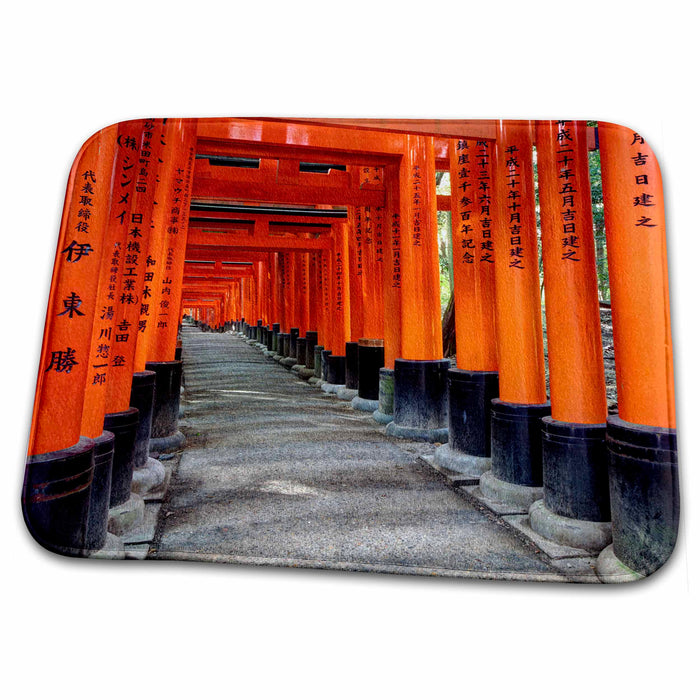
277	473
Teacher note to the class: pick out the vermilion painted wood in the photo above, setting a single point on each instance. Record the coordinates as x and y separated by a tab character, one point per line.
94	400
315	309
421	327
391	270
304	310
339	320
635	228
518	309
574	346
154	301
165	338
135	224
373	239
473	253
461	128
356	265
65	360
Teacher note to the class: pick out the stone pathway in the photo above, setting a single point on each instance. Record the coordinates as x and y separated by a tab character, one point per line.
277	473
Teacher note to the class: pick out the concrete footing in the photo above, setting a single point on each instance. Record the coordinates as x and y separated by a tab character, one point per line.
413	433
383	418
611	570
516	495
113	549
126	516
149	477
360	404
331	388
582	534
169	443
346	394
460	463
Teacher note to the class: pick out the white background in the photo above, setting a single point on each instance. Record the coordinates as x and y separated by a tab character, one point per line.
91	629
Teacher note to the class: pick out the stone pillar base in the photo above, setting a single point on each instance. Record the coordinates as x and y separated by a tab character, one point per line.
426	434
126	516
511	494
169	443
113	548
461	463
331	388
360	404
346	394
611	570
383	418
581	534
147	478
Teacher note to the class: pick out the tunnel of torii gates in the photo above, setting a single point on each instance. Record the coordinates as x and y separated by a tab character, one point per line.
317	240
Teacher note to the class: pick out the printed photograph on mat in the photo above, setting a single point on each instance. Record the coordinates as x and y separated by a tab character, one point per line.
432	347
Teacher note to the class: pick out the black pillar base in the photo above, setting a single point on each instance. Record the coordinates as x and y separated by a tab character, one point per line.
420	400
292	349
644	494
149	474
516	441
143	388
575	508
282	344
370	359
384	413
325	354
575	470
336	370
56	497
96	535
351	366
123	425
165	435
468	450
311	343
301	353
469	397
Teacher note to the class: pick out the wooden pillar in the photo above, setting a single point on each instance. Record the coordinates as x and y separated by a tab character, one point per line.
516	457
575	474
637	263
340	290
135	181
471	177
162	290
67	356
643	470
356	265
420	375
474	383
392	277
421	321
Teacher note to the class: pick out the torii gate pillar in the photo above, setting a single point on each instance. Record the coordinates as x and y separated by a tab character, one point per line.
420	375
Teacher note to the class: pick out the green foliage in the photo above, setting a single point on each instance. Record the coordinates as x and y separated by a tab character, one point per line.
599	225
